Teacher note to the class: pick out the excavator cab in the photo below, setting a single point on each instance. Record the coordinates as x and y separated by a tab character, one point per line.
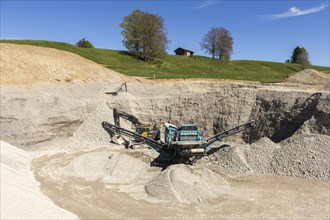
143	130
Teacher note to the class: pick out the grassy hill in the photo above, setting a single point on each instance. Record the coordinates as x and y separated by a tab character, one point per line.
178	66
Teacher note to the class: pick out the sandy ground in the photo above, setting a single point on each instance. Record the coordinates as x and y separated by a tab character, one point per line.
53	103
47	65
119	187
21	197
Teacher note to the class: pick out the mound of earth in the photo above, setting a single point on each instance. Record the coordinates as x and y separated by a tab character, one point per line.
24	65
302	155
309	77
184	184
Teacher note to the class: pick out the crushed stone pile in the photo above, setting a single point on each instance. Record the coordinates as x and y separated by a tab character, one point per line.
302	155
244	158
309	77
111	167
259	155
230	158
91	131
185	184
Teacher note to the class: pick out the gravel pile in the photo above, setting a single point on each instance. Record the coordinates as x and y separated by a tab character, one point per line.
302	155
229	157
91	131
185	184
259	155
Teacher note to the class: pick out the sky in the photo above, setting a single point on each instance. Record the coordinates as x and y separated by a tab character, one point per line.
261	30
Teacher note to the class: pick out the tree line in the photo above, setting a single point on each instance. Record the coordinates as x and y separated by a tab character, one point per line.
145	36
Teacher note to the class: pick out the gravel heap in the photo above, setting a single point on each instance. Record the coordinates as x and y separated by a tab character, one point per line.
185	184
302	155
91	131
260	155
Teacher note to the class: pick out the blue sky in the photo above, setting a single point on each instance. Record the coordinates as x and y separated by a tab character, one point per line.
262	30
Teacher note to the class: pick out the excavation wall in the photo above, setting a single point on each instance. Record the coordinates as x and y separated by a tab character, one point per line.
32	116
277	114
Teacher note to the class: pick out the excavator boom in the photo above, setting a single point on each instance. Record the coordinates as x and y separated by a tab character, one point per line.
117	114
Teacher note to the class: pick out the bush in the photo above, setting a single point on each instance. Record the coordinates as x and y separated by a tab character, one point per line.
84	43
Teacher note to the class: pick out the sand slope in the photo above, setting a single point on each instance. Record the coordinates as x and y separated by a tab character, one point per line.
20	194
23	64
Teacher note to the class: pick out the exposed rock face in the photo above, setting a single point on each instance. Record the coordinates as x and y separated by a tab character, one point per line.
278	114
286	112
213	108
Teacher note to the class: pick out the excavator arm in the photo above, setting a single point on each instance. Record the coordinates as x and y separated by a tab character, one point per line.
117	114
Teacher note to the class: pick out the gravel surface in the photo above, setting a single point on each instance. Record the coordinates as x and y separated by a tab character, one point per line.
305	156
302	155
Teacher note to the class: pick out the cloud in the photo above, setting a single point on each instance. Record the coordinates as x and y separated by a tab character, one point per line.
205	4
294	11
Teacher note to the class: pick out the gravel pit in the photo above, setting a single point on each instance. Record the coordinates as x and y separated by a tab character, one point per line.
279	169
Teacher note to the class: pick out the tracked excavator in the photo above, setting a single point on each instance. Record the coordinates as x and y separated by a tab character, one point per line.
142	129
181	144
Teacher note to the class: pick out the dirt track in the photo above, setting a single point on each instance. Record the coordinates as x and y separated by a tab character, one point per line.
58	121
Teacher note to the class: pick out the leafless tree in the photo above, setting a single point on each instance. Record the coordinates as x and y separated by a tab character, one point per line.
209	42
225	44
218	42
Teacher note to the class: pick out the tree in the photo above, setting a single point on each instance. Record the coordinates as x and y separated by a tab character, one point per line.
84	43
132	32
218	42
225	44
300	56
144	35
209	42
